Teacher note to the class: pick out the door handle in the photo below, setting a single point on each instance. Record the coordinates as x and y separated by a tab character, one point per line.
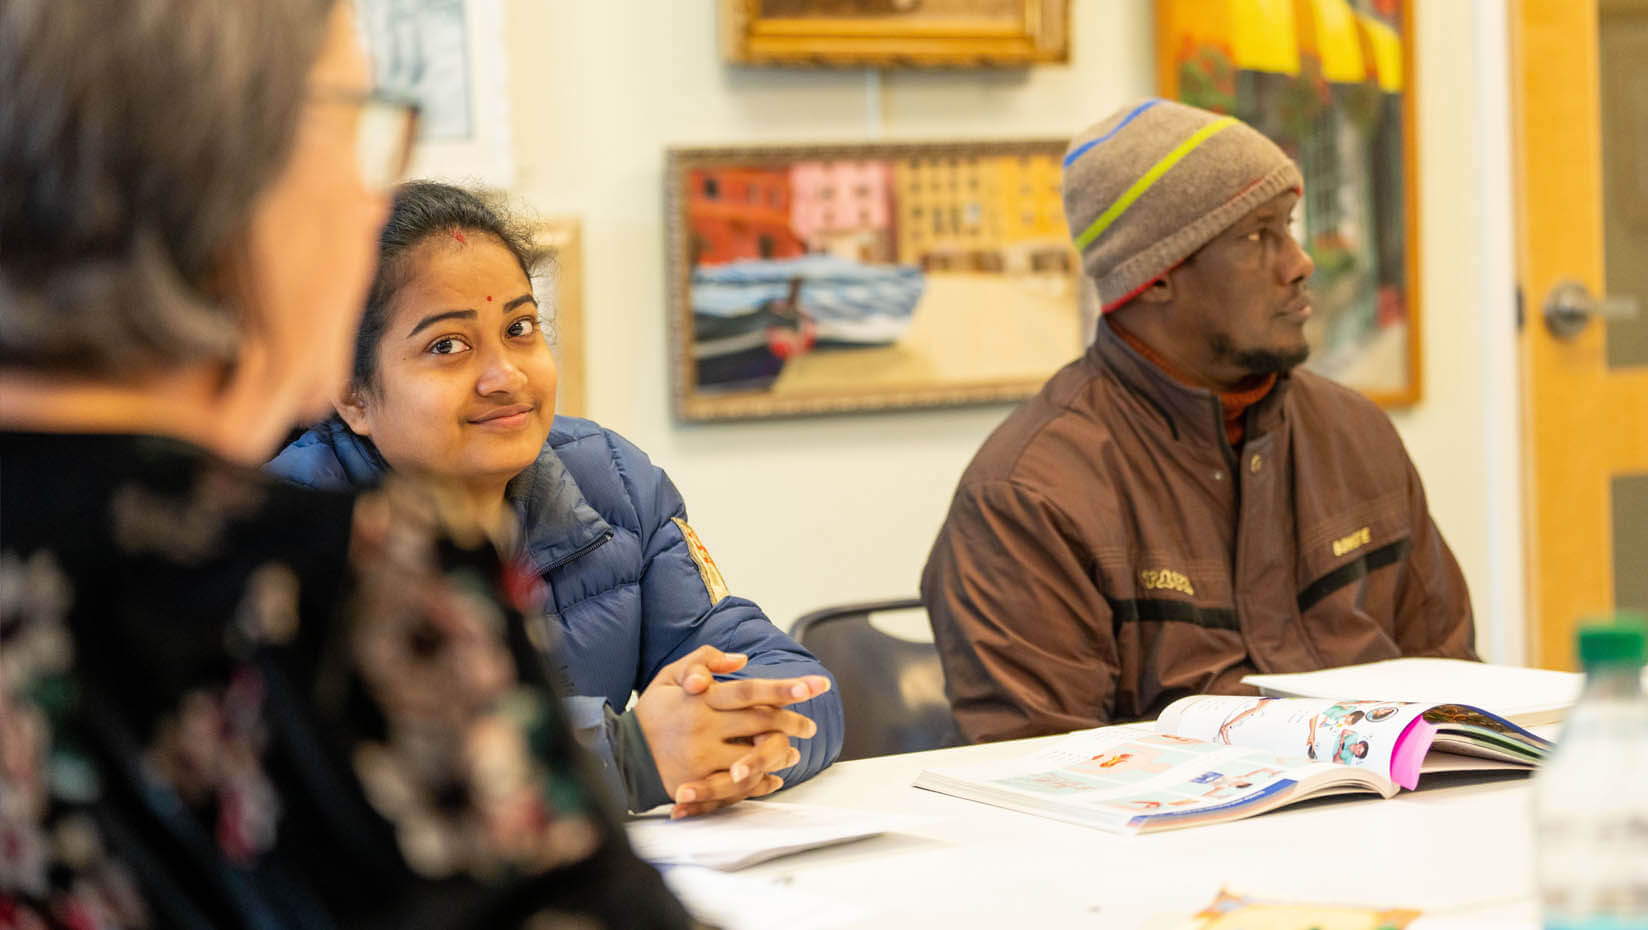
1569	308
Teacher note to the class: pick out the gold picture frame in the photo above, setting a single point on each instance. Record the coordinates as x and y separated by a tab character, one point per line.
880	33
812	279
1332	82
560	283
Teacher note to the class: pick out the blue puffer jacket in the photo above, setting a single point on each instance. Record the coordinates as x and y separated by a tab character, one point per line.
598	523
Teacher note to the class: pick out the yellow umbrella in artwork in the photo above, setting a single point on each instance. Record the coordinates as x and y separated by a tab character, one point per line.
1328	31
1257	35
1263	35
1382	48
1271	35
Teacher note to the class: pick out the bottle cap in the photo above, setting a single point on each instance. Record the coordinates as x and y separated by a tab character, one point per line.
1622	642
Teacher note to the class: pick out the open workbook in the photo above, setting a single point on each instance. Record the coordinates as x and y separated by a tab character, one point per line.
1213	758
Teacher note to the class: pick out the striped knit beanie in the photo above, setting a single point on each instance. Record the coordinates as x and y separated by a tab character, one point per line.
1156	180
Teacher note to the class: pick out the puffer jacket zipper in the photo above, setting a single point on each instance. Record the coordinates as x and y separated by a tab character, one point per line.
579	552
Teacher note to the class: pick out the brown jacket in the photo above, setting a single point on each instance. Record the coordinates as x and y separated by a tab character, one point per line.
1108	552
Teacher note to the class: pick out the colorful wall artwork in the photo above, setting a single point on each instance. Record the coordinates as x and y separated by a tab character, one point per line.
1331	81
832	278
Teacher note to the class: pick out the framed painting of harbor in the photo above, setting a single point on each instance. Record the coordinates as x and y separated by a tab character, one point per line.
838	278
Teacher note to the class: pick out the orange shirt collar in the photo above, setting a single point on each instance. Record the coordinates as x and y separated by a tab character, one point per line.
1234	403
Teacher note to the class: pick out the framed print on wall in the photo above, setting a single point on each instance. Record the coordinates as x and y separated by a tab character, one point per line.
1331	82
449	56
559	285
856	33
834	278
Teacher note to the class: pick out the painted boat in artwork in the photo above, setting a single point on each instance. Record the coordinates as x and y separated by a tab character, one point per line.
750	316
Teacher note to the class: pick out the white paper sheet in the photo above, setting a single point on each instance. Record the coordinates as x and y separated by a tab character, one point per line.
751	832
733	902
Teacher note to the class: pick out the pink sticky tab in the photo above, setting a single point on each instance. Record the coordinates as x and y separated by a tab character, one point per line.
1409	754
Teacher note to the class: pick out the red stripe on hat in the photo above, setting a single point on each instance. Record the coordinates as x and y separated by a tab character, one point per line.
1106	308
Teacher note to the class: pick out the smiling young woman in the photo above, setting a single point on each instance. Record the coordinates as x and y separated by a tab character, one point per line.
461	384
454	383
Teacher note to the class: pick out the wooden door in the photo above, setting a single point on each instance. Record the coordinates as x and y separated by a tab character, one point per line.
1580	105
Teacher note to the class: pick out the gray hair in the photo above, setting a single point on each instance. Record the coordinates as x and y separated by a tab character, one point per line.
135	136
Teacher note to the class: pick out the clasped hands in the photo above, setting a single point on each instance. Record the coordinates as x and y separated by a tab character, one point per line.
718	742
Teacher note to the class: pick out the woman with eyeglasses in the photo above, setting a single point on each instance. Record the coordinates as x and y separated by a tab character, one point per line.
225	701
454	382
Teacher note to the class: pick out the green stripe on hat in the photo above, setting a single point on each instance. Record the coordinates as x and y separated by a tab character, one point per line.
1150	177
1153	183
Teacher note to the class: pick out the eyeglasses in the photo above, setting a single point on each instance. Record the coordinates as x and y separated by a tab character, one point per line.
385	133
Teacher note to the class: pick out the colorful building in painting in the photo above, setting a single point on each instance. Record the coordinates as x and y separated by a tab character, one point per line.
843	208
981	213
1034	235
739	213
948	213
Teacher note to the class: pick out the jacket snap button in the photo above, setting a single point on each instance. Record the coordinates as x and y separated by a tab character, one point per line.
1218	476
1253	464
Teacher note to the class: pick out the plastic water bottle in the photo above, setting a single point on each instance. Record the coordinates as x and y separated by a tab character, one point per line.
1591	797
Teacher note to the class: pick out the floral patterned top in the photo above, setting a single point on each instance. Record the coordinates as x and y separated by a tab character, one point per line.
227	702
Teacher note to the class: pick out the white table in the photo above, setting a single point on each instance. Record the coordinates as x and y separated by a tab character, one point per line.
1460	847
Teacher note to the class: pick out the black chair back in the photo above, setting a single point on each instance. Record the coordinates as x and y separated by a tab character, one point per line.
892	688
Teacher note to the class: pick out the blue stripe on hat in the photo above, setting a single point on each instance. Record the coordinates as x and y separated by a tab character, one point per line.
1118	128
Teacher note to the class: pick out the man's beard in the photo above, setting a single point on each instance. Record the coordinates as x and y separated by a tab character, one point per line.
1257	361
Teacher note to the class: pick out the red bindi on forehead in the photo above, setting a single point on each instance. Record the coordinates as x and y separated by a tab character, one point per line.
489	298
458	235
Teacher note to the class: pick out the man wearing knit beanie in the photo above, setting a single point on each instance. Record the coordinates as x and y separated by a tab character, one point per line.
1180	507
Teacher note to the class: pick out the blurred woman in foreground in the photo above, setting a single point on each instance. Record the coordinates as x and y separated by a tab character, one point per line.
227	702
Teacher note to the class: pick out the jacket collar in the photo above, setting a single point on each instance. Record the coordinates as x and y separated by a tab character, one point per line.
330	456
557	521
1190	413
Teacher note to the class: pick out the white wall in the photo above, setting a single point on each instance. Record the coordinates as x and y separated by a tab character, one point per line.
1463	435
808	512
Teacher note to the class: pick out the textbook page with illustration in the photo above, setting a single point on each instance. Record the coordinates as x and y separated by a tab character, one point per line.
1398	740
1216	758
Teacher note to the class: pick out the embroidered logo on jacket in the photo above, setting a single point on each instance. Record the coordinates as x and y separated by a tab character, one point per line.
714	584
1163	579
1352	542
